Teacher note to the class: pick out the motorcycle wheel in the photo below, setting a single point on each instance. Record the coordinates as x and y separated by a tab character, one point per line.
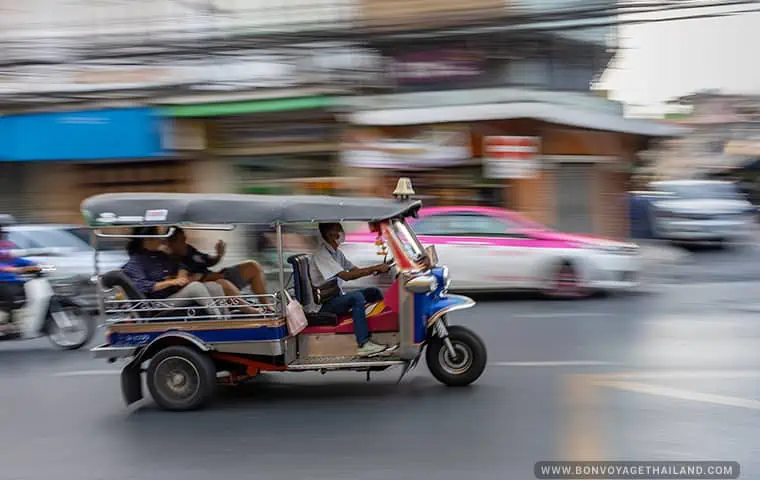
77	335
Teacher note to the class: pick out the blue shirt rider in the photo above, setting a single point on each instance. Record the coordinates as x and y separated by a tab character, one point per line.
12	293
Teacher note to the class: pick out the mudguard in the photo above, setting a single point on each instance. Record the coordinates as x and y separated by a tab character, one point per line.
131	382
447	304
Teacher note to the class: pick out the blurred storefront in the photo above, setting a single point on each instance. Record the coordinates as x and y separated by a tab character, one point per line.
257	146
563	159
61	158
440	158
263	146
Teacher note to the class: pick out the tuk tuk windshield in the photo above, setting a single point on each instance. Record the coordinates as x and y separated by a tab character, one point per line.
408	240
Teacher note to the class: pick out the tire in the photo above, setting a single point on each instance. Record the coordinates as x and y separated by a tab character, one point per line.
463	371
565	283
82	318
181	364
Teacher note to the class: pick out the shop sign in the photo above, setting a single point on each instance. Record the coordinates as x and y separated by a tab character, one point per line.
128	133
436	66
511	157
424	147
241	133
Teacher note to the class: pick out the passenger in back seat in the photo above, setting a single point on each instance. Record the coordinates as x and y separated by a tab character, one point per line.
157	275
231	280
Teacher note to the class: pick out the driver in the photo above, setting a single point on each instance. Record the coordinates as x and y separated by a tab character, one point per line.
12	293
328	262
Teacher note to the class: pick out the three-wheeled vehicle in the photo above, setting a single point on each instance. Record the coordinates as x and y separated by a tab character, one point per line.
186	352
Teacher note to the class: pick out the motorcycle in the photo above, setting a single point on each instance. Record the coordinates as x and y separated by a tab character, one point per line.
53	311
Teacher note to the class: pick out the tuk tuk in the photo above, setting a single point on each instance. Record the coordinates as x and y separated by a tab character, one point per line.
185	352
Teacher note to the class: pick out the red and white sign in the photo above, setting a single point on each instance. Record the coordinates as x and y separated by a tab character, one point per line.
511	157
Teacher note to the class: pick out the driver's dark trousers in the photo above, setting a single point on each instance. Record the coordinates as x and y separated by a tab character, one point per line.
12	297
355	303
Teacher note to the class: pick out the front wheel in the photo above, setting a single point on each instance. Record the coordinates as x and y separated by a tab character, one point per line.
70	328
181	378
463	368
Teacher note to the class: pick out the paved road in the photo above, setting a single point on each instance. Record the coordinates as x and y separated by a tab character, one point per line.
667	375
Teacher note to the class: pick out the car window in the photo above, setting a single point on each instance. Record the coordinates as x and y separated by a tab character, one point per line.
109	244
20	240
55	239
463	225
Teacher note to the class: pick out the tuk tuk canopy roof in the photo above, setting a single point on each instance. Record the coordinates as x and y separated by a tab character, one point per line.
165	209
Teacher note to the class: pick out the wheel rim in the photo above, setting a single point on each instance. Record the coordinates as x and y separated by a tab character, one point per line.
567	283
459	365
73	334
177	379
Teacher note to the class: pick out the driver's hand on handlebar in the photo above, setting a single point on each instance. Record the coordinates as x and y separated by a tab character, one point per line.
382	268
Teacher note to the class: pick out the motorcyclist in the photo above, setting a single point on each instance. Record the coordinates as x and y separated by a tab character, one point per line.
12	293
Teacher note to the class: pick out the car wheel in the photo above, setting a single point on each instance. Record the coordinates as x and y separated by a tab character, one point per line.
566	283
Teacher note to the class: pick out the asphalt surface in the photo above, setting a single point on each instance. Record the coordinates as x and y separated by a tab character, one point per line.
667	374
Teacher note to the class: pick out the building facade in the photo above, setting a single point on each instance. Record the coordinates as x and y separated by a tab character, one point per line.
441	91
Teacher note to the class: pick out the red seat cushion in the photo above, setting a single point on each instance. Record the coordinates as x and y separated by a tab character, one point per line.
380	318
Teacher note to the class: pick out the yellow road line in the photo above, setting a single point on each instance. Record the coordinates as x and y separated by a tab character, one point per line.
582	435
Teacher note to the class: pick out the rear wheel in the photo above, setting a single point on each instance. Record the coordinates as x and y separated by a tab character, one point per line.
181	378
70	328
566	283
463	368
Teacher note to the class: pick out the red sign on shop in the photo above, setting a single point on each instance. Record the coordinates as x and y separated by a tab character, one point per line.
511	157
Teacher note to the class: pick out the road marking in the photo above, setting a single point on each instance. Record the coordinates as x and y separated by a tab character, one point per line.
681	394
560	315
85	373
681	374
581	435
568	363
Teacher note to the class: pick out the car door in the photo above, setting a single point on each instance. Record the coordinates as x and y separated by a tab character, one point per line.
475	247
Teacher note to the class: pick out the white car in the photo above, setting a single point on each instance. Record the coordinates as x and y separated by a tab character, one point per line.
701	211
63	247
490	249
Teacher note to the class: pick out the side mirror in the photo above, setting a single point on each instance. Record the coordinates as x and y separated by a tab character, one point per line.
432	255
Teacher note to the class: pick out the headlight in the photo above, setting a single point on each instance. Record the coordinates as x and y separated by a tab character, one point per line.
422	284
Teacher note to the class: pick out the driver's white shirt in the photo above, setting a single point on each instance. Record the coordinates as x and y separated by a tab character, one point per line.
327	263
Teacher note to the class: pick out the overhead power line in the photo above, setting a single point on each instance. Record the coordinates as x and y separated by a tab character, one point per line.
218	41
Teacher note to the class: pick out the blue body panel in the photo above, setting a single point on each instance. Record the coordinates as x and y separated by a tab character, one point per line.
441	303
208	336
421	308
428	304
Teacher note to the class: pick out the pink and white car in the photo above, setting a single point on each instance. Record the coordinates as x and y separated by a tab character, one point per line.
491	249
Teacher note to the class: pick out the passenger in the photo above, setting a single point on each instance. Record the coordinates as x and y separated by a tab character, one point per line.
232	280
156	274
328	262
12	292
